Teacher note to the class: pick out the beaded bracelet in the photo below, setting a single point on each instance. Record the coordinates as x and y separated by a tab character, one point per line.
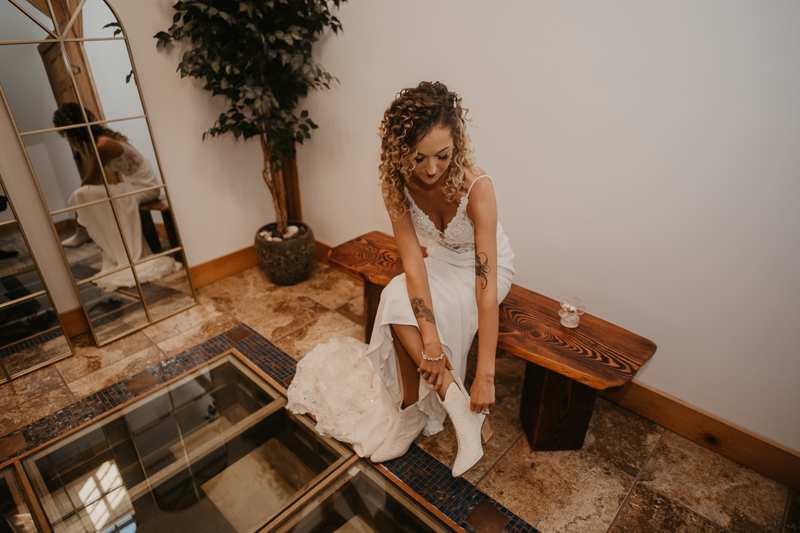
432	359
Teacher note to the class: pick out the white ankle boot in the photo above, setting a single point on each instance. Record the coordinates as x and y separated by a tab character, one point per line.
80	237
410	422
467	425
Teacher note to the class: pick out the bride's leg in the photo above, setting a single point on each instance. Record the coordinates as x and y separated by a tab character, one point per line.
456	402
411	341
411	419
408	371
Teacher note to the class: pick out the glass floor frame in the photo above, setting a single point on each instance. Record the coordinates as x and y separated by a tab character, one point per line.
156	464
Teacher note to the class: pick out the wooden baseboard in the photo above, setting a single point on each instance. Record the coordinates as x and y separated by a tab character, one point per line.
227	265
74	322
750	450
321	252
222	267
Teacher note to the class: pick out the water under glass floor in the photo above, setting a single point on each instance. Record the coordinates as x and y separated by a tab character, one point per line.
214	451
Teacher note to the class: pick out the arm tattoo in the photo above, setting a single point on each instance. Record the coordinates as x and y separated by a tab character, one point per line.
421	310
481	268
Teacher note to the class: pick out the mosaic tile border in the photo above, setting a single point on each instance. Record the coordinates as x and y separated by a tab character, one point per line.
57	424
420	471
152	294
454	497
32	341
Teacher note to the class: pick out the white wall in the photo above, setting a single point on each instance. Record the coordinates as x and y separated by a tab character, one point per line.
218	195
645	156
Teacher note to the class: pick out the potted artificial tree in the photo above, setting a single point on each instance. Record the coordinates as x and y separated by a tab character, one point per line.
257	55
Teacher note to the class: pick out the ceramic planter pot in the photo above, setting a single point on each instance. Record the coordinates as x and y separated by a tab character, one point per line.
289	261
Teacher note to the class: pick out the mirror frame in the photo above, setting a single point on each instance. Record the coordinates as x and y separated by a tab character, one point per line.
61	37
46	291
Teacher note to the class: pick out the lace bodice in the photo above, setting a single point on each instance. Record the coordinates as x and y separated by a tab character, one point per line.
458	235
129	162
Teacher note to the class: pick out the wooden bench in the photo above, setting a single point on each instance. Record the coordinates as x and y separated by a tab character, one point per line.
565	367
149	228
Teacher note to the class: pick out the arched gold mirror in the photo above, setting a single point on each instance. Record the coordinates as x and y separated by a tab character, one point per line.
69	83
31	335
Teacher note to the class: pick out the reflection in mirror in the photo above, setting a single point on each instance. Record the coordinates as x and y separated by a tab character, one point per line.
65	11
17	26
131	153
95	246
60	164
31	335
13	508
116	87
18	275
95	21
56	88
113	313
38	9
36	82
169	294
90	251
30	332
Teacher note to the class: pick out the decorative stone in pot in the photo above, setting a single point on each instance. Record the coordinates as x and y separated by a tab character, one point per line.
286	260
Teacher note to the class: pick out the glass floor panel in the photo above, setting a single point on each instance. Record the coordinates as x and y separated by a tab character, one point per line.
213	452
14	514
362	501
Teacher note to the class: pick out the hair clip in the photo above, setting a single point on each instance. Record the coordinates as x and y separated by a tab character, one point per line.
454	102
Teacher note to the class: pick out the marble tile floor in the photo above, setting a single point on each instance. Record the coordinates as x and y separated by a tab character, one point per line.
631	475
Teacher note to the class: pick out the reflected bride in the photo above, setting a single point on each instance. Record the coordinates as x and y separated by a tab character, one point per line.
97	221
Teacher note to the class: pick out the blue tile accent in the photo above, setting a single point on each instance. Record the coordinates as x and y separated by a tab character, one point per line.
33	341
454	497
265	355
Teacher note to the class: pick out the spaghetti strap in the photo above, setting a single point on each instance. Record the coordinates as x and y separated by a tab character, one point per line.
476	181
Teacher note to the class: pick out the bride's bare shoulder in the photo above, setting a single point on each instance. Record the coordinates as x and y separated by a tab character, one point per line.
470	175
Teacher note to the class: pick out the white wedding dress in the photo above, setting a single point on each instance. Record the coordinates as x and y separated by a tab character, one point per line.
98	219
354	389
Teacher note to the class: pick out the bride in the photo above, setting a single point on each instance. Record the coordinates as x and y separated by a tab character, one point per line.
382	396
96	221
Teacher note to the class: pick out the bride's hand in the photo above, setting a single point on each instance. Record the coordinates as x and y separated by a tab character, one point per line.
433	371
481	395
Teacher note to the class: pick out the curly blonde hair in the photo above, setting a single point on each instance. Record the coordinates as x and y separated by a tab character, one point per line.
410	117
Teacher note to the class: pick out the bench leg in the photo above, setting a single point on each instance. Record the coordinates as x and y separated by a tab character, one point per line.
172	234
555	410
149	231
372	297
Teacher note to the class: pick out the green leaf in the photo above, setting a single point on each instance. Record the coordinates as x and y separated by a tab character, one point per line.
257	56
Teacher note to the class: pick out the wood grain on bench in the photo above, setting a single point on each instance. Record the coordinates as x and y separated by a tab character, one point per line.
565	367
596	353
